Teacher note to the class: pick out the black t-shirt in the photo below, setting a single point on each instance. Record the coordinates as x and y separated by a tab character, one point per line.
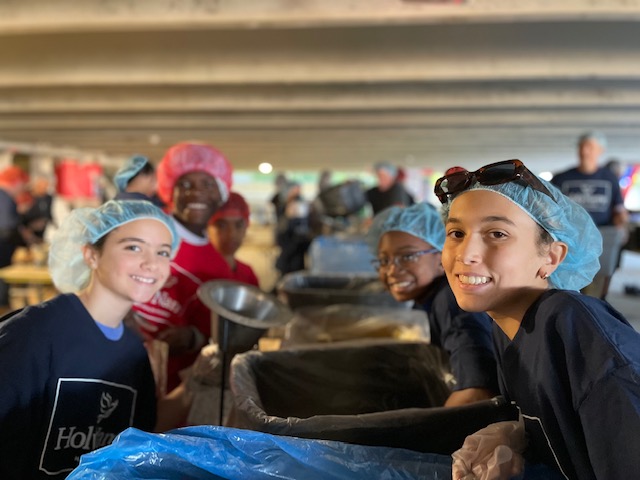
66	389
465	336
395	196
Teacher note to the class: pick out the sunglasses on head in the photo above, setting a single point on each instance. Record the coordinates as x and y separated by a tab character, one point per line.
492	174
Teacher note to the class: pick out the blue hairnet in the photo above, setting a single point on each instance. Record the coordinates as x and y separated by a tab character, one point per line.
386	166
85	226
565	221
421	220
129	170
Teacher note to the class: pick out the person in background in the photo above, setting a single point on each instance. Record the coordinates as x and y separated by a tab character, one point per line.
60	208
39	215
595	188
389	191
73	377
293	235
13	183
279	198
194	181
227	230
325	180
615	166
136	180
317	211
520	250
407	243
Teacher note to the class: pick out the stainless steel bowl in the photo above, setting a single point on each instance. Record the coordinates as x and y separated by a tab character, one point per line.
241	313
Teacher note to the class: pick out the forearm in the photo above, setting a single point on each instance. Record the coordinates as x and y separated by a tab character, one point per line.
467	396
620	217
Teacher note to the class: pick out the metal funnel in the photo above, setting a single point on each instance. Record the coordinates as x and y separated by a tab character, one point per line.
243	313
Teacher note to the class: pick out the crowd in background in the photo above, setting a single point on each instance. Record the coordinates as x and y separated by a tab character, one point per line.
296	220
198	224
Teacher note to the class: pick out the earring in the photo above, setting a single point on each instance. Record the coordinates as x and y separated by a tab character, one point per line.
545	276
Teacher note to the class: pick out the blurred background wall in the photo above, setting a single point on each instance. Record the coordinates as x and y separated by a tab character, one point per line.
310	84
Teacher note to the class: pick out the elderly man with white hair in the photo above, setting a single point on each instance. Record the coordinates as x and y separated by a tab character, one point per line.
592	186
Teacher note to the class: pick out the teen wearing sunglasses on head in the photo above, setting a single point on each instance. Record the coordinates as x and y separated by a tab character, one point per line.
407	242
520	250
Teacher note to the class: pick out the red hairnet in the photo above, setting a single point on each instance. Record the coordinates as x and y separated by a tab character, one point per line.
236	206
13	175
191	157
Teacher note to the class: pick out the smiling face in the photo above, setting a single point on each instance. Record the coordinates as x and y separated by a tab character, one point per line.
132	263
408	282
492	255
196	198
227	234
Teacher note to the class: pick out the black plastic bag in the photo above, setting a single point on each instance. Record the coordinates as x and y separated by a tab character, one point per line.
369	393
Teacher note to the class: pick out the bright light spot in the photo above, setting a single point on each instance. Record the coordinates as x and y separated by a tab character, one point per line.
546	176
265	167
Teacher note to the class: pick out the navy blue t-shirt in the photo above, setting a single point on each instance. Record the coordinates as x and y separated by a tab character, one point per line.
599	193
465	336
573	369
66	389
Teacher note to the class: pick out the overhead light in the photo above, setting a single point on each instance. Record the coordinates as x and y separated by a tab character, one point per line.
265	167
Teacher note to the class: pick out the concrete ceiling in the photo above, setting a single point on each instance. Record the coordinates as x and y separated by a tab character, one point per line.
307	86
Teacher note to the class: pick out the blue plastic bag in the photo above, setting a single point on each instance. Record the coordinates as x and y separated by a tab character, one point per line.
209	452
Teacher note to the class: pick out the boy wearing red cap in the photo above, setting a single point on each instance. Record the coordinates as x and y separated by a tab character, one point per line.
227	229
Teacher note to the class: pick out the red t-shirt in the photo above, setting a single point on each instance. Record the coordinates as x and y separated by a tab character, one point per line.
245	274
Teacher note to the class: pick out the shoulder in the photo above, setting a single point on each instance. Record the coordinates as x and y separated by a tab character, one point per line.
200	263
243	266
562	304
596	337
189	253
565	174
34	328
46	312
569	311
606	174
555	299
5	197
245	273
